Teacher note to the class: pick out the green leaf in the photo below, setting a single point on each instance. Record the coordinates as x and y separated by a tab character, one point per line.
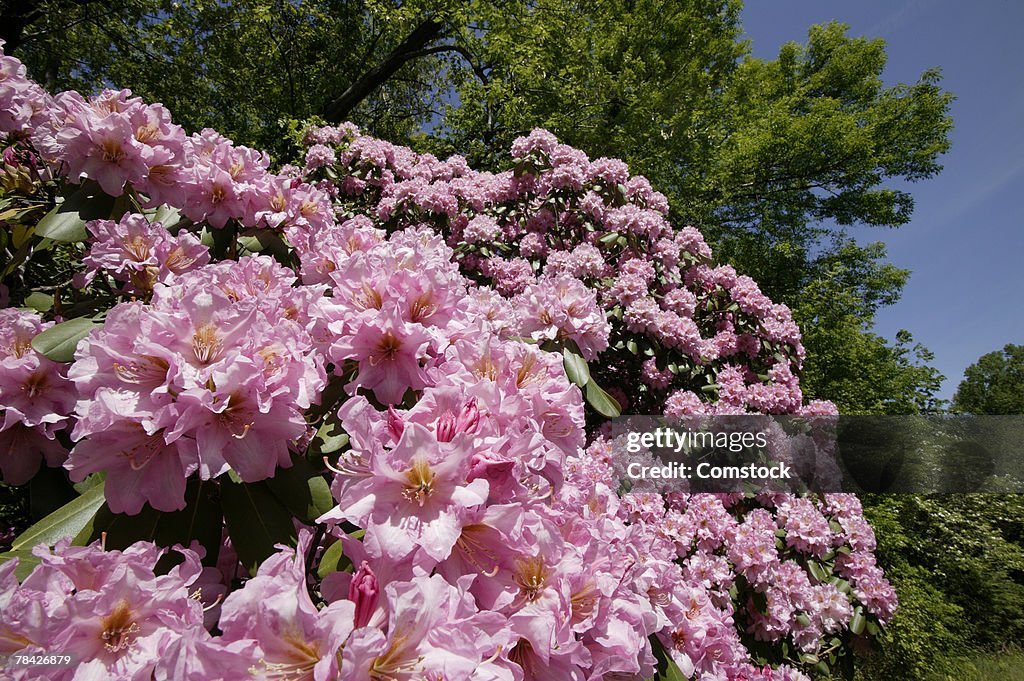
818	571
329	438
302	489
166	216
858	622
602	402
666	669
250	244
38	301
66	522
256	520
201	520
66	222
332	560
609	238
575	366
89	482
59	342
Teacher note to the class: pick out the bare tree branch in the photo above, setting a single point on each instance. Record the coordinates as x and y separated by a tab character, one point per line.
340	107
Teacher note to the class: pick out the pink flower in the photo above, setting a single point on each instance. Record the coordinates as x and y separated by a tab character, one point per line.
389	352
288	636
141	253
434	630
107	609
560	308
413	493
35	399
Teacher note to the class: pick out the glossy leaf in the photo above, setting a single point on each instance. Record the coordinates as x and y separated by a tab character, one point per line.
256	520
667	669
575	366
200	521
302	489
59	342
64	523
66	222
331	561
27	562
602	402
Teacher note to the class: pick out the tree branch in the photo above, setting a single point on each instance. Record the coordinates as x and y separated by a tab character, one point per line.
339	108
15	17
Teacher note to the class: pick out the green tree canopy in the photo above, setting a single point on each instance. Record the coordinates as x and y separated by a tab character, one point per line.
994	384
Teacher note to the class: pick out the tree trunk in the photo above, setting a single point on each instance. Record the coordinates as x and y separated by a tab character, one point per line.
339	108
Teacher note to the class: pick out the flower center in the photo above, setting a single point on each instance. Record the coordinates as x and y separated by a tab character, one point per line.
422	307
150	370
206	343
419	482
532	576
367	298
112	151
137	247
35	383
118	628
387	347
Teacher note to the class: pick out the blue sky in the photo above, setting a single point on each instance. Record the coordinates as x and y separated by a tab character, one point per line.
965	244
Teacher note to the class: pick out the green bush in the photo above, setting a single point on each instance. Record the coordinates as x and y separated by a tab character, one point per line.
957	564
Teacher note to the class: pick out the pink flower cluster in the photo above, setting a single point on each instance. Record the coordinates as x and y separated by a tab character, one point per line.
110	613
214	374
560	308
36	399
22	102
559	218
140	253
127	145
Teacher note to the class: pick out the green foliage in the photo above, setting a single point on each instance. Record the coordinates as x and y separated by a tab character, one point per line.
993	385
957	563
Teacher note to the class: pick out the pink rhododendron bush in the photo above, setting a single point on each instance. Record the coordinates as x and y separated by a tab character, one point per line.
346	420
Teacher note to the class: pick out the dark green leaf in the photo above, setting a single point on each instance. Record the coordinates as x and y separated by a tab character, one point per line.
858	622
666	669
602	402
200	521
256	520
329	562
166	216
302	489
575	366
40	302
26	562
66	222
90	482
329	438
59	342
